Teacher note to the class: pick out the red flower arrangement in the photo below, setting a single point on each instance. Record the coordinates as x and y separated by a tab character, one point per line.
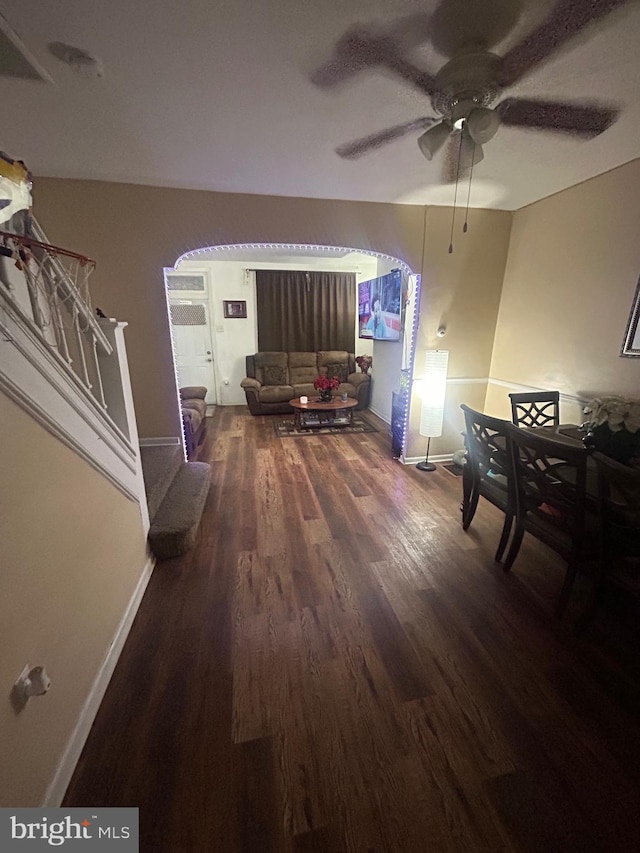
326	383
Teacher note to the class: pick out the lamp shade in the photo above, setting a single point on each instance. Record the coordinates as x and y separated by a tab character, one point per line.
434	386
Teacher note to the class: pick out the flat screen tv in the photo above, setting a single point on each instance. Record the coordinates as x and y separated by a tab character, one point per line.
380	307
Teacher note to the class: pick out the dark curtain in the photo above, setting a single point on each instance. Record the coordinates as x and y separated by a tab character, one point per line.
305	311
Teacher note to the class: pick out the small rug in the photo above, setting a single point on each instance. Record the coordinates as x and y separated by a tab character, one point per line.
285	428
454	469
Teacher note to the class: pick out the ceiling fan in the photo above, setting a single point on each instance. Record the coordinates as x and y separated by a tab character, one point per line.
464	90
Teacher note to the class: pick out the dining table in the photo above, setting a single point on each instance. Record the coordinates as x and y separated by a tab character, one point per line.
573	435
569	433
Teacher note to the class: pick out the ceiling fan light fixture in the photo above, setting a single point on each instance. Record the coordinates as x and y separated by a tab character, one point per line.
433	139
482	124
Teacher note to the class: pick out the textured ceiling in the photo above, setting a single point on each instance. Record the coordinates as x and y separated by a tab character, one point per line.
215	94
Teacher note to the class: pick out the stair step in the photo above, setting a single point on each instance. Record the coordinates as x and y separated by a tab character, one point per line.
175	525
160	464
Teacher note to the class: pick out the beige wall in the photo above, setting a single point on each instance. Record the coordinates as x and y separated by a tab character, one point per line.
573	265
135	231
460	291
65	583
573	262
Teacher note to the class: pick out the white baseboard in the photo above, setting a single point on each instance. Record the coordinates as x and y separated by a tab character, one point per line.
66	766
385	418
413	460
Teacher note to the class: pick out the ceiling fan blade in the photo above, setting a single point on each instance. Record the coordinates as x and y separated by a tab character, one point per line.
450	159
334	72
460	154
355	149
411	30
409	72
568	18
457	25
358	48
579	119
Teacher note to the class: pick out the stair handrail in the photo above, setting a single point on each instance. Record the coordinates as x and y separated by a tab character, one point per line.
57	292
61	363
64	281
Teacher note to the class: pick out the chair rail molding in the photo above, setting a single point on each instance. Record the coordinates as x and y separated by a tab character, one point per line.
516	386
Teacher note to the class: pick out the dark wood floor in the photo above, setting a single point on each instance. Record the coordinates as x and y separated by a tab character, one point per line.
338	667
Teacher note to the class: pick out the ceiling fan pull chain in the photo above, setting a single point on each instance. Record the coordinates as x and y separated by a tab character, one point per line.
465	227
455	197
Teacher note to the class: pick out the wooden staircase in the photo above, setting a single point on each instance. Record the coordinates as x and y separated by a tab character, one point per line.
176	494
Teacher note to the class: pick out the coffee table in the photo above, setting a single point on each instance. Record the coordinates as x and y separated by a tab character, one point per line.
315	413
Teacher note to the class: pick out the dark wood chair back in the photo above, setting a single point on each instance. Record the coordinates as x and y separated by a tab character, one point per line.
619	510
550	479
535	409
486	471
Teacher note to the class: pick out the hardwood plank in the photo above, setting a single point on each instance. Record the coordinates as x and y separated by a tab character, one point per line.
536	819
337	666
318	841
256	804
466	810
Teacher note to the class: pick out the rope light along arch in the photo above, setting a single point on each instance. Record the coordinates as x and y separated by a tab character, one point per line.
413	279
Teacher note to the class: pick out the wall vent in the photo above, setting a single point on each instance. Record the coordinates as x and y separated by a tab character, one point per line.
188	315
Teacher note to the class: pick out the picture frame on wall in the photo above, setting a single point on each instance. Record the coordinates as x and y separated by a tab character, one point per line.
235	308
631	343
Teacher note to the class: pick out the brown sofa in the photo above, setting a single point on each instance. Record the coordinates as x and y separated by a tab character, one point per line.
275	378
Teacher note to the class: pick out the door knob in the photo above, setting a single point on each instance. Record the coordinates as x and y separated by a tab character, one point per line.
208	352
209	359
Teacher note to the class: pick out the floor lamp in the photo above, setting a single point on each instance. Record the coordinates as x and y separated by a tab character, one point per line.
434	386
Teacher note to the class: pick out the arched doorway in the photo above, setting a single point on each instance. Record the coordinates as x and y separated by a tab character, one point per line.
203	280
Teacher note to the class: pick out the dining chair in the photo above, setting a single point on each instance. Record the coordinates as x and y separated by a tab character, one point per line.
550	478
619	512
486	471
535	408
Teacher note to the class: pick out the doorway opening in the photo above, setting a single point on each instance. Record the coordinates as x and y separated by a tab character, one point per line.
216	276
188	299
